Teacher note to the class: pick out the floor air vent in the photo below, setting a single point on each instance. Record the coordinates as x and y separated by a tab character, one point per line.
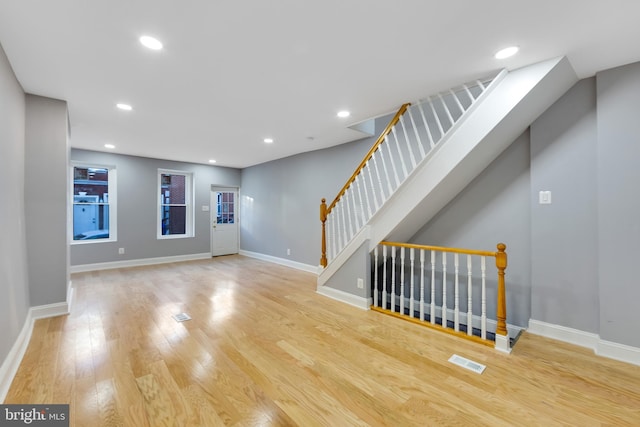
181	317
467	364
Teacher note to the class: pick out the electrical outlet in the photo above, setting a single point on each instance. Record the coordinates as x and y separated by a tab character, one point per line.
288	251
120	251
360	283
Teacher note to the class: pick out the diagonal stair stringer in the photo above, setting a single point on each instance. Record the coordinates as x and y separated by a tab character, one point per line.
516	101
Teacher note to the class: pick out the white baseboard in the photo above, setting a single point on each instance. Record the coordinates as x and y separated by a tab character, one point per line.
621	352
345	297
69	295
562	333
611	350
282	261
11	363
138	262
49	310
476	321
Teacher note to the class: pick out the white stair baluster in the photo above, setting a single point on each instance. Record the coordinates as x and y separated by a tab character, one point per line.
435	115
375	276
483	318
412	281
402	162
422	284
353	197
446	109
402	280
408	141
384	277
417	134
344	224
373	187
336	228
348	209
393	278
366	195
426	126
362	211
383	197
386	172
333	232
456	295
469	298
444	289
458	103
481	85
329	240
471	97
433	287
387	143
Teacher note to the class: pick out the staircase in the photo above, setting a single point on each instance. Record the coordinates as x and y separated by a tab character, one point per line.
428	154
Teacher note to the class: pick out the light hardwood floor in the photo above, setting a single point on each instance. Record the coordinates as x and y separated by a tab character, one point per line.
263	349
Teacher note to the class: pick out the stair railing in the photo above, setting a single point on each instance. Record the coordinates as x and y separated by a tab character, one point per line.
413	132
325	211
415	282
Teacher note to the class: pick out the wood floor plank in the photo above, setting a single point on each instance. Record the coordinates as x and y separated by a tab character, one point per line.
264	349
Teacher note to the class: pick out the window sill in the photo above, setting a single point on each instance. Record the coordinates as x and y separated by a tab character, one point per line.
90	241
175	236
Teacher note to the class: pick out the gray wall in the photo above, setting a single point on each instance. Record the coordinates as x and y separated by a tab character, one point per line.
137	208
564	234
14	286
46	159
494	208
618	213
281	200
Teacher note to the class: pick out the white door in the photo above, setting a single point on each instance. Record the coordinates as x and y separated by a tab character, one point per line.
224	221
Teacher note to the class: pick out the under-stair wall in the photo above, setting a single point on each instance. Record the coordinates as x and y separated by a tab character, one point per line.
499	119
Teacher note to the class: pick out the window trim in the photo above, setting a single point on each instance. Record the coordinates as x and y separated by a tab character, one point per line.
112	203
189	204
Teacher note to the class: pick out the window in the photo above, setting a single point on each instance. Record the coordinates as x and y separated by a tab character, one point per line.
225	207
93	201
175	207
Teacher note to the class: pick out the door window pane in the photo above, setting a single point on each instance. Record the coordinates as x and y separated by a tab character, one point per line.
225	208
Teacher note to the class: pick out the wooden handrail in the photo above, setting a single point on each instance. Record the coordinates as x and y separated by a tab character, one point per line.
324	210
364	161
501	265
440	249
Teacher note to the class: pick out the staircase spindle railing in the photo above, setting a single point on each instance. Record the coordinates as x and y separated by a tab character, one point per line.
395	280
399	150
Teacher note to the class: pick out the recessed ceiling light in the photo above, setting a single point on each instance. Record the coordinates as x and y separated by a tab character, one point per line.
507	52
212	161
268	140
125	107
151	43
111	146
343	114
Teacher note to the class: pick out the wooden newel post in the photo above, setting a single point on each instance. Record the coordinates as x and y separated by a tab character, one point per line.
323	219
501	264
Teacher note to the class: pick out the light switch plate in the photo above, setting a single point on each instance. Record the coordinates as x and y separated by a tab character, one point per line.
544	197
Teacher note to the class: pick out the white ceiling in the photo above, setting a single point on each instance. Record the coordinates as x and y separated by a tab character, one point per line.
235	72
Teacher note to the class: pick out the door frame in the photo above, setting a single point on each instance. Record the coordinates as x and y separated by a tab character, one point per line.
213	209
